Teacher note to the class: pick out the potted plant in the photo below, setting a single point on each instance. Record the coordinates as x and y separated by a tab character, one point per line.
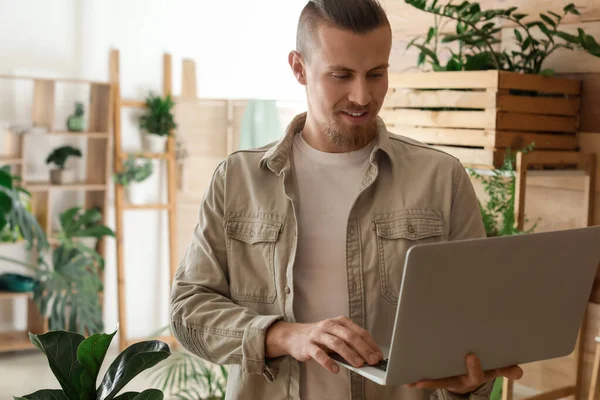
480	100
82	227
157	123
76	362
59	157
133	172
76	122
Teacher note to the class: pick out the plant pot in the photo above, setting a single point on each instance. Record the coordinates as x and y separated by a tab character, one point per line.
135	193
16	283
154	143
9	142
62	176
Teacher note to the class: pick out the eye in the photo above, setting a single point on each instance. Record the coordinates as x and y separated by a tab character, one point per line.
376	75
341	76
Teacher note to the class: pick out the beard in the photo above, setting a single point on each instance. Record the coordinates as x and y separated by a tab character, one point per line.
350	137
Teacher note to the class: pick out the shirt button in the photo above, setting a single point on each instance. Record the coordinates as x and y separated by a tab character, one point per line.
287	290
350	231
411	229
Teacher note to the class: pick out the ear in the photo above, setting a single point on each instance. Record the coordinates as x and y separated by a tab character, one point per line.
297	64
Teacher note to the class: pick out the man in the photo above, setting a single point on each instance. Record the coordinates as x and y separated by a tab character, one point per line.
300	245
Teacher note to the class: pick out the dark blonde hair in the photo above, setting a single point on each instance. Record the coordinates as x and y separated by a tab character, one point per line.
358	16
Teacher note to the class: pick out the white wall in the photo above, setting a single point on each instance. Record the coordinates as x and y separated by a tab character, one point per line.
240	49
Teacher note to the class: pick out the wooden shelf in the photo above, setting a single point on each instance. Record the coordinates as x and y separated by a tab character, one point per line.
10	161
91	135
133	103
47	186
13	341
14	295
147	207
62	80
164	156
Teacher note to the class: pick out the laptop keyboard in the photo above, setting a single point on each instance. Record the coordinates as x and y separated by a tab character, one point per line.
382	365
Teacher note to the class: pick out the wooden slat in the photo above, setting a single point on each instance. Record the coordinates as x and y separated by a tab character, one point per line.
99	108
535	122
61	80
43	103
589	113
470	157
10	161
46	186
146	207
445	80
89	135
14	295
518	140
442	119
133	103
163	156
510	80
13	341
445	136
440	98
188	73
554	394
538	105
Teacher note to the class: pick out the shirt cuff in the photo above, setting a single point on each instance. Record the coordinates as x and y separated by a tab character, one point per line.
253	348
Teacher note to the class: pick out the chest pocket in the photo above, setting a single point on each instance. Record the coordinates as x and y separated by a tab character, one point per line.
396	233
250	257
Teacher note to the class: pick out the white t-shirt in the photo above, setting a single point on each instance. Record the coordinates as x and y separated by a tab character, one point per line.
328	184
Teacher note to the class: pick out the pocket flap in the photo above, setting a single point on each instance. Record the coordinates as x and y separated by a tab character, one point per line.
253	231
414	227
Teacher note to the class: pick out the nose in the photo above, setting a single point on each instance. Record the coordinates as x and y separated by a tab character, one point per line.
359	92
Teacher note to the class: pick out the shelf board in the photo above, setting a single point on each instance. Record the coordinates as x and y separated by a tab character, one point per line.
146	207
14	295
10	161
47	186
14	341
133	103
63	80
91	135
146	155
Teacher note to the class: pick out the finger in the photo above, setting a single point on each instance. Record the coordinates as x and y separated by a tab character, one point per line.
476	373
356	342
364	334
439	383
339	346
323	359
514	372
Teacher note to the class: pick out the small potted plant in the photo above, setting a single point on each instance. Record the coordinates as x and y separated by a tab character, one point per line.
59	156
76	362
81	226
134	171
157	123
76	122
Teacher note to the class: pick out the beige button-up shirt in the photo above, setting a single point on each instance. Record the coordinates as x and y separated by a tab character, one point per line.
236	278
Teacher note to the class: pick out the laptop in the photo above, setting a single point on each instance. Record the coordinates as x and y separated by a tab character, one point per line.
511	300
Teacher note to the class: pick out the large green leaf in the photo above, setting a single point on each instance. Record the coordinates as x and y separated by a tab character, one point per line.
46	394
91	353
149	394
97	231
132	361
60	348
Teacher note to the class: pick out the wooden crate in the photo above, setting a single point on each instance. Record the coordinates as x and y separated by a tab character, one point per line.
476	115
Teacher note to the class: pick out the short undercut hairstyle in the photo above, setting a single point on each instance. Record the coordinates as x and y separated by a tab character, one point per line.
358	16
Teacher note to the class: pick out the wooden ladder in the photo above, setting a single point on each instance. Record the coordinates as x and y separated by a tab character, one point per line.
121	205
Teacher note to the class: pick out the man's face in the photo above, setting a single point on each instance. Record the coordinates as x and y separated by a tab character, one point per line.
346	82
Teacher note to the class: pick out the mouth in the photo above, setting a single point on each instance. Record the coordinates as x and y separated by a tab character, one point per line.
356	117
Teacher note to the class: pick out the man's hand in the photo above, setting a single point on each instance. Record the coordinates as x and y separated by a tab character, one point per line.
467	383
313	341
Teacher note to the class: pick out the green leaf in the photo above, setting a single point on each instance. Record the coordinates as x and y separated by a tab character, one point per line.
421	59
95	232
518	36
548	20
571	9
567	36
91	353
547	72
478	62
132	361
430	35
519	17
150	394
60	348
428	52
67	218
46	394
555	15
